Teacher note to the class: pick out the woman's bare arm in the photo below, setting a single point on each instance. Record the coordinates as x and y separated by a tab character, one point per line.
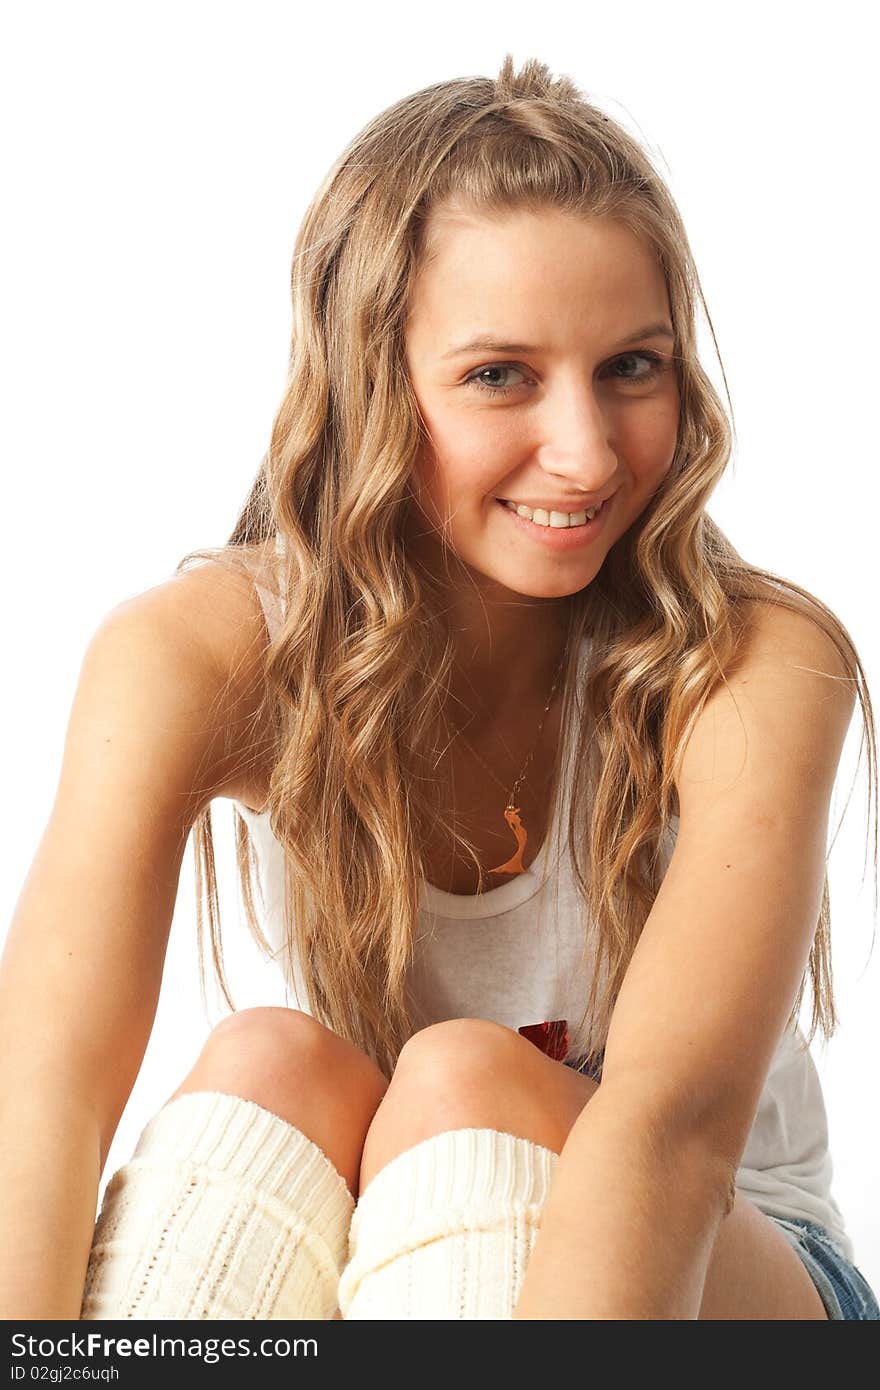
647	1174
148	745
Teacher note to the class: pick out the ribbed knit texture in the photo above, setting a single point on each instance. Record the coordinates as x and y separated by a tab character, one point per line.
224	1211
445	1230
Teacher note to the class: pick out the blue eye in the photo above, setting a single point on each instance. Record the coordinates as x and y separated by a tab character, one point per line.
655	365
496	367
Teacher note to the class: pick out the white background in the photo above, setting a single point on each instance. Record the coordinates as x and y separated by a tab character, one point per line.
157	161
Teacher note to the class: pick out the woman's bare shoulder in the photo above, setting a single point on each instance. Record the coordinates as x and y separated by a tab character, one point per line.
216	604
775	630
215	608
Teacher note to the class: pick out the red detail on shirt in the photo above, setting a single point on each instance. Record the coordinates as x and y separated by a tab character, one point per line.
551	1038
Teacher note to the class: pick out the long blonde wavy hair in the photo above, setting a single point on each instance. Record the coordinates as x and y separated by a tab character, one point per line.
357	680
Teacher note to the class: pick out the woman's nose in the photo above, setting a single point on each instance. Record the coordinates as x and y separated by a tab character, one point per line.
576	440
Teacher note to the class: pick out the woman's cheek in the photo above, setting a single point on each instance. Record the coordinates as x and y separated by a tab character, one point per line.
653	453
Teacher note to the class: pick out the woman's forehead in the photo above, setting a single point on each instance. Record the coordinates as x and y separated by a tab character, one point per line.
512	279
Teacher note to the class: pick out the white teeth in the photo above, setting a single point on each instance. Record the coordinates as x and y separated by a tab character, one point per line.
559	520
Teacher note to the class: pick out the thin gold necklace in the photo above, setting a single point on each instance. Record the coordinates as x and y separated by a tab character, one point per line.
512	815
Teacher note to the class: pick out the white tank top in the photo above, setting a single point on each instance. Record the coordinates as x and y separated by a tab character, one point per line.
515	954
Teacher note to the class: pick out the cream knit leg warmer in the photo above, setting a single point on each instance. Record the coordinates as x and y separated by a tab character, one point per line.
224	1211
445	1230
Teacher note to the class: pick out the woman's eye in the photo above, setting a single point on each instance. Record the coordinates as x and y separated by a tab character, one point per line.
487	378
655	366
493	389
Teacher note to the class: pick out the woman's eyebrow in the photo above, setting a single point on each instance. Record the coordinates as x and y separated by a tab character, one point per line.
489	342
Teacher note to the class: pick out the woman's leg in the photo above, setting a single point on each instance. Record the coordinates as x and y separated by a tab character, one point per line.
455	1172
237	1200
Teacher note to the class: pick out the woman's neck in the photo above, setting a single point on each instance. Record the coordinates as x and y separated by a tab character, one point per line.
500	682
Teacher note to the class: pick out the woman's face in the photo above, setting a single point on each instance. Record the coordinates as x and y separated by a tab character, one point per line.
571	400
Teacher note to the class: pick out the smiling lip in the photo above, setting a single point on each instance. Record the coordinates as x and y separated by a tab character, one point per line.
561	537
571	507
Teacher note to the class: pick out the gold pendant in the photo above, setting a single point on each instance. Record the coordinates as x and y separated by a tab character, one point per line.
514	865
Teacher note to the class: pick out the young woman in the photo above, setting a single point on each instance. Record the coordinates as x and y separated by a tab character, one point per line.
536	772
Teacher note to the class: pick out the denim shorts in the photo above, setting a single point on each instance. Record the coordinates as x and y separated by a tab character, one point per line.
842	1287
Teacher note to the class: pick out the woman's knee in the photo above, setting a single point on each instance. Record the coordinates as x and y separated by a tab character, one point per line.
459	1046
473	1073
279	1057
290	1064
476	1071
